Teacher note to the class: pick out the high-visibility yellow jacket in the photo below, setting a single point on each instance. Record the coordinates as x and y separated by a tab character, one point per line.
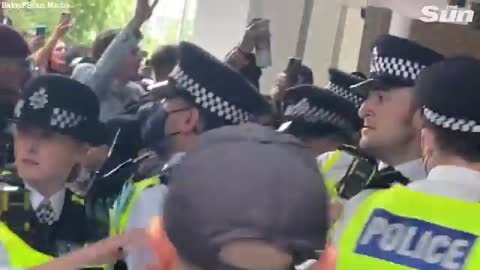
122	208
19	253
399	229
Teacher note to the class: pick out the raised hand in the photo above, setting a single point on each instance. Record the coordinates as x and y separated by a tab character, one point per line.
115	248
104	252
256	30
62	29
143	11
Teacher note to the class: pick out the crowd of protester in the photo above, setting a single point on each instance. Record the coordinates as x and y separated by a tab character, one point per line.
113	159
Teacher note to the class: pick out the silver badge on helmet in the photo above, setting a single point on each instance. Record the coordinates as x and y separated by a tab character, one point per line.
39	99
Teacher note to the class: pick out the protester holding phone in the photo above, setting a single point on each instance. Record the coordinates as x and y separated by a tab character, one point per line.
40	30
51	57
241	58
37	40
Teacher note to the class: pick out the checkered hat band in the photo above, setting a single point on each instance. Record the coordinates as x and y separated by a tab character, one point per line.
452	123
208	100
344	93
59	117
398	67
312	114
65	119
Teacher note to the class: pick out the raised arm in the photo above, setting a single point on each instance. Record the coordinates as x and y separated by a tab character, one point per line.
42	56
103	252
116	54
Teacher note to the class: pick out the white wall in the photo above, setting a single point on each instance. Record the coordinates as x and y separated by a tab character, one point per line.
321	42
285	17
219	24
352	38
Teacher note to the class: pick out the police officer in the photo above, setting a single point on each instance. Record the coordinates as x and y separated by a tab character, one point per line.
340	82
334	164
392	119
206	94
321	119
56	122
296	73
428	225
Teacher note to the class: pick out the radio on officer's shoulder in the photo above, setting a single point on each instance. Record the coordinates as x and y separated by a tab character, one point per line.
362	169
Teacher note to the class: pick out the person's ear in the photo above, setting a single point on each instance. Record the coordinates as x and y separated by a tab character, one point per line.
427	142
74	173
81	152
95	157
191	122
417	120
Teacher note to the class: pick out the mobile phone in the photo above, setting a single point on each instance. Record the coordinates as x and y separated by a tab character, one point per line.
262	46
66	17
40	30
294	64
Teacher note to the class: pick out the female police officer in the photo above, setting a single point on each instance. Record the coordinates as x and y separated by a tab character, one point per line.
428	225
57	120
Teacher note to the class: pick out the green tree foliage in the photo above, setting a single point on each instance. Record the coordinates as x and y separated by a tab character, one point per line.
90	18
